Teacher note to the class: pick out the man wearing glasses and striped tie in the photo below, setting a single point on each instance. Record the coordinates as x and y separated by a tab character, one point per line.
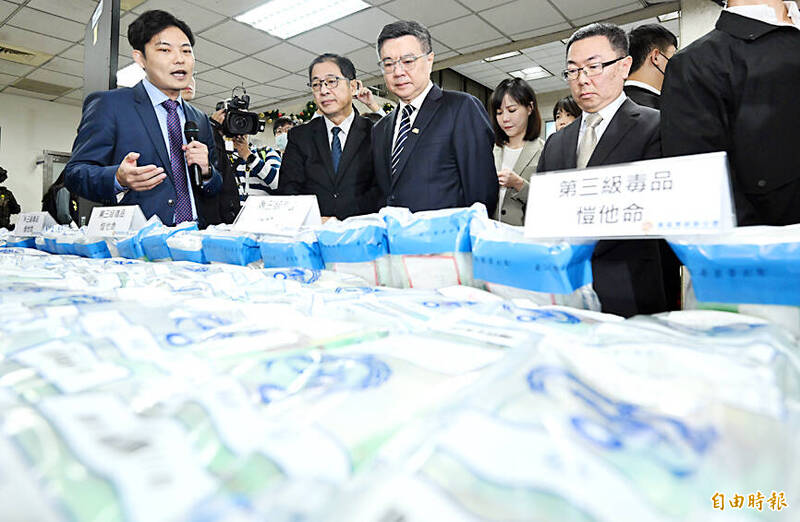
435	150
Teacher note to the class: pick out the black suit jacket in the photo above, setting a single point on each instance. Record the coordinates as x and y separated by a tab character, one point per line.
628	275
307	168
447	158
643	97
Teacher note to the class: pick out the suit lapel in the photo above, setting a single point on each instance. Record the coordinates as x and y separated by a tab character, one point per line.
320	137
622	122
528	152
430	106
153	130
358	132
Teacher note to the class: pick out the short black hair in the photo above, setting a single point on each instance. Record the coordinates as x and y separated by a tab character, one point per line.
346	67
406	28
568	105
150	23
522	93
280	122
645	38
615	34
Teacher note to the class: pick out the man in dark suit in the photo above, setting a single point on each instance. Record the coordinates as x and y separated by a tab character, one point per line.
331	156
435	150
734	90
612	129
651	47
130	147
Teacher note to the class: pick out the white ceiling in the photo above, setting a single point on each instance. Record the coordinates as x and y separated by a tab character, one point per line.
230	53
550	56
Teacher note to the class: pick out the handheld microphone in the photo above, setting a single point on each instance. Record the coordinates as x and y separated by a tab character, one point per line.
192	133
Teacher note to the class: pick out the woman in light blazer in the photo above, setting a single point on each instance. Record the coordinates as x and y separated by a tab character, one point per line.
517	126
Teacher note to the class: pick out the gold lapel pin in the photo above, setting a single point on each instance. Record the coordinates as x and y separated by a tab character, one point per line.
415	131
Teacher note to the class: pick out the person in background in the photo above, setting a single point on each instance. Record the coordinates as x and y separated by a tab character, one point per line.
130	148
255	168
331	156
517	126
224	207
8	203
651	47
565	111
280	129
434	150
735	90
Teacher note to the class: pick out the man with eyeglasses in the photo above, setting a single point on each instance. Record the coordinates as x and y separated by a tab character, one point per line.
331	156
612	129
434	150
651	47
735	90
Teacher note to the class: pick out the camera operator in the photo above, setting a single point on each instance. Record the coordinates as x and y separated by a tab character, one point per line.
255	168
224	207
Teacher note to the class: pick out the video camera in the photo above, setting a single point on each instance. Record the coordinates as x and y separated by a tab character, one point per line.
238	121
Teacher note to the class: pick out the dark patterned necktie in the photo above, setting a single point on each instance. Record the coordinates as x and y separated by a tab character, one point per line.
183	205
402	135
336	148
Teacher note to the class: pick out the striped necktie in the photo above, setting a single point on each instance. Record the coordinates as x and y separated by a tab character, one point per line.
402	135
183	205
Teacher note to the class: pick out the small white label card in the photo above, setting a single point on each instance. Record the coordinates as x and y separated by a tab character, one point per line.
107	221
278	214
33	223
687	195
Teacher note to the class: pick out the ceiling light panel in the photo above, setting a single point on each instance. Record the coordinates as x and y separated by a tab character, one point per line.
502	56
286	18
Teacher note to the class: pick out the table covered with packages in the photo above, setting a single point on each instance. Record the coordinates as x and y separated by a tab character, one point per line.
398	367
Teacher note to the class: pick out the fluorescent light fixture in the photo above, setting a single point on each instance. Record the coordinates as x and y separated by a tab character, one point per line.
531	73
501	56
674	15
130	75
286	18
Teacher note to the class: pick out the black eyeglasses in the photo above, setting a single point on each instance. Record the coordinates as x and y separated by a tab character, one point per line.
593	69
407	62
331	82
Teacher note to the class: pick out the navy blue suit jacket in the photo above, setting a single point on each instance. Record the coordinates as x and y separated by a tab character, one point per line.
447	160
117	122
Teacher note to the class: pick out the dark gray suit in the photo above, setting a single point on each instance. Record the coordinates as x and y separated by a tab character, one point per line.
627	274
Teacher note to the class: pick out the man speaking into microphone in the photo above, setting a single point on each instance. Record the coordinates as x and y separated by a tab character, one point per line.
131	148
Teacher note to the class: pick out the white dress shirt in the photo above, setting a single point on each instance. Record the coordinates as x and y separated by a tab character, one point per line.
607	113
416	103
642	85
345	126
766	14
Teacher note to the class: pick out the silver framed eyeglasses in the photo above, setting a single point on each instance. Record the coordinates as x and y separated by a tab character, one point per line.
593	69
406	62
331	82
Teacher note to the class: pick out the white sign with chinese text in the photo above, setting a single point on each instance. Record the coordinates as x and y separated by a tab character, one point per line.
277	214
33	223
688	195
107	221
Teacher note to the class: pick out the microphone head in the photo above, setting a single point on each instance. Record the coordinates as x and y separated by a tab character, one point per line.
191	130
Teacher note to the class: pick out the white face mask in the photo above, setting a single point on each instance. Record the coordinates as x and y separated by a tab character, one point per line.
281	140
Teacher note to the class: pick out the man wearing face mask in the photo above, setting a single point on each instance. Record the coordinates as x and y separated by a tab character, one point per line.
8	203
651	47
280	129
